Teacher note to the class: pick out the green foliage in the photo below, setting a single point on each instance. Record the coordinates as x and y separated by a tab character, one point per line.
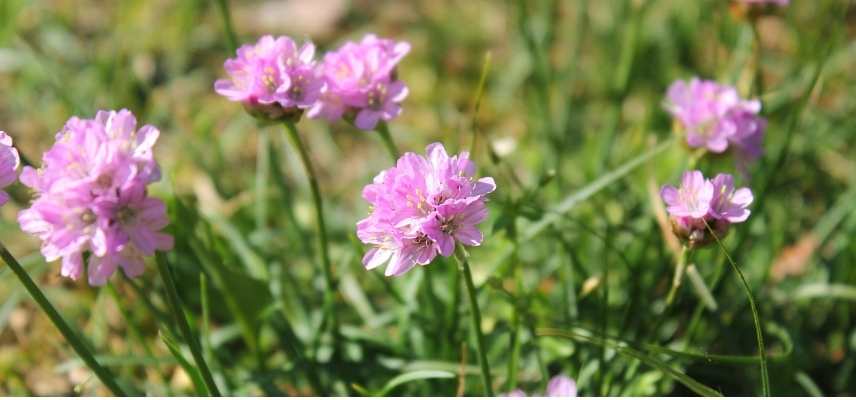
559	100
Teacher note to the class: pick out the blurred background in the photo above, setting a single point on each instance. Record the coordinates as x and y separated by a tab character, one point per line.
573	89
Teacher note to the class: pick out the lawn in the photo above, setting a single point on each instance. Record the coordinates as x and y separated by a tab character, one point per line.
579	267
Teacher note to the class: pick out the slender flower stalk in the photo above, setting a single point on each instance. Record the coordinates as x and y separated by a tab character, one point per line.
294	138
181	319
386	138
231	37
679	275
464	266
759	335
70	335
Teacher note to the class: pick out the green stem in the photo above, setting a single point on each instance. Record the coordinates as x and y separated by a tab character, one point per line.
70	336
181	319
762	359
464	266
386	138
329	296
679	275
231	38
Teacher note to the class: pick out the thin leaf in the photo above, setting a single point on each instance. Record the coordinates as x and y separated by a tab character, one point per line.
192	372
413	376
626	350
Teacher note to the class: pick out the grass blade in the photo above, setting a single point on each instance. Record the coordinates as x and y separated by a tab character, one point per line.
178	312
568	203
70	335
624	349
413	376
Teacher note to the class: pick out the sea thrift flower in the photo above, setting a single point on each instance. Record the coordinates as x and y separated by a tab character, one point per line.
361	83
422	207
91	197
714	117
9	161
272	78
559	386
699	203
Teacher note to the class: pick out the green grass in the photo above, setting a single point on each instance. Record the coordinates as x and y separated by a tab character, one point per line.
559	100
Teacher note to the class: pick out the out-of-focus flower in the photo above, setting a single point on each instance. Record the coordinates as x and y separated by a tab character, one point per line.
421	208
714	117
91	197
559	386
700	202
691	199
361	83
272	78
9	162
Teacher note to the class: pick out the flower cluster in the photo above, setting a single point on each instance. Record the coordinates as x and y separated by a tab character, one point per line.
715	117
559	386
272	78
9	161
275	79
699	203
92	197
421	208
360	78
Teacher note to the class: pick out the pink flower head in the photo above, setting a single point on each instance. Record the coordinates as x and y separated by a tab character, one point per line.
9	161
272	78
714	117
422	207
360	79
699	203
558	386
727	203
91	197
691	199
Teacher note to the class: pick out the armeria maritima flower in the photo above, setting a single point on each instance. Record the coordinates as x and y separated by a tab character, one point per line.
91	197
559	386
714	117
9	162
272	78
422	207
361	83
699	203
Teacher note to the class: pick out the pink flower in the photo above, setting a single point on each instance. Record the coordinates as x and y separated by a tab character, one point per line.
91	197
272	78
715	117
360	79
691	199
699	203
422	207
727	203
9	161
559	386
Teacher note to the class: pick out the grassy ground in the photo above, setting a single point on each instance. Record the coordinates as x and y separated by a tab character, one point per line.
573	91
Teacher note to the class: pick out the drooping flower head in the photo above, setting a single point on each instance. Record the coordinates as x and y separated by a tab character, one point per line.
422	207
361	82
273	78
9	162
558	386
699	203
91	197
714	117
